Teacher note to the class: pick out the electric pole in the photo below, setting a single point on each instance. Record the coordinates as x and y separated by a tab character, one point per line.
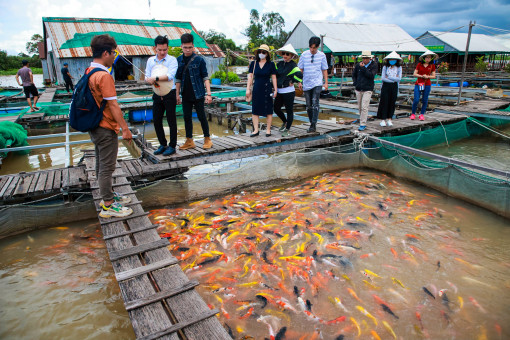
471	24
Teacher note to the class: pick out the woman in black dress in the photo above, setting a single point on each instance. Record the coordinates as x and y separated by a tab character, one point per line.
262	74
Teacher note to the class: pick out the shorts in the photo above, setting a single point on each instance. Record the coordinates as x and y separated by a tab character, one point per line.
30	90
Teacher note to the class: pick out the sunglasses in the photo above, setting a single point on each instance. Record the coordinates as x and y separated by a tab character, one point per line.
262	51
287	53
313	55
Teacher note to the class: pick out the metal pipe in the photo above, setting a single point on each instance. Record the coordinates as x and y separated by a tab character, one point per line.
67	162
57	135
465	60
50	145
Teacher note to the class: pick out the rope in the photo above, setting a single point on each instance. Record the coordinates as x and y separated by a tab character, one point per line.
445	136
488	128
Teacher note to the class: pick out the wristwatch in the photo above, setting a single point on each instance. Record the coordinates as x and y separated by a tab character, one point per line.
157	78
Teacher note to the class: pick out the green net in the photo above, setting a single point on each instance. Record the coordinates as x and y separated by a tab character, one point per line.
12	135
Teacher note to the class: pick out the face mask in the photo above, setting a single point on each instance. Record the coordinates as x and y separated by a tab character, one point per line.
392	62
262	56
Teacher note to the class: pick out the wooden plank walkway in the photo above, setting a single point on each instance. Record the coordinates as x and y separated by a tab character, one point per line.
47	95
490	108
39	184
160	299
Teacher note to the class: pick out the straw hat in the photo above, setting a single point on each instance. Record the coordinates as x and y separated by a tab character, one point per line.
287	48
366	54
393	55
263	47
427	52
163	87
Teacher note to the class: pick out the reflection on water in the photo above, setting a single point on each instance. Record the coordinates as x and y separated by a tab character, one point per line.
349	254
489	150
349	242
59	284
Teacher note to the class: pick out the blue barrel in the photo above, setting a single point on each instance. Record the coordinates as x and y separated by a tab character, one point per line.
138	116
216	81
454	84
465	84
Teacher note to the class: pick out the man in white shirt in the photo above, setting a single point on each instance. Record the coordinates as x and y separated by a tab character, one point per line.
314	66
164	103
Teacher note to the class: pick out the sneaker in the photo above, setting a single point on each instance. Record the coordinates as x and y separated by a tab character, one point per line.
312	128
362	127
285	133
115	210
412	116
282	128
382	123
169	151
119	198
160	150
421	117
389	123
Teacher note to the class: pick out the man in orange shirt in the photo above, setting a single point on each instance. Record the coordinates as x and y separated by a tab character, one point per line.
104	136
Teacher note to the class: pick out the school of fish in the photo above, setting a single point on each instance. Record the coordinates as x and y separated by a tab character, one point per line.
354	254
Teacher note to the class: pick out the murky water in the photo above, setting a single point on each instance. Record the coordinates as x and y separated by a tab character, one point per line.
347	254
59	284
489	150
46	158
11	81
349	242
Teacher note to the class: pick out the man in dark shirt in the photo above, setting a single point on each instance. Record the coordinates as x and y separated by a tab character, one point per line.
191	77
67	78
363	81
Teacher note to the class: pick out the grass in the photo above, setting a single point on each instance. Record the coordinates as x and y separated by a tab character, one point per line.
12	72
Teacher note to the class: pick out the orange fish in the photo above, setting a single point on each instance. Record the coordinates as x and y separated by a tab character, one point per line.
354	295
394	252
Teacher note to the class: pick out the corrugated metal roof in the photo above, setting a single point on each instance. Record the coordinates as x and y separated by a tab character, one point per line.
354	38
218	53
71	36
478	43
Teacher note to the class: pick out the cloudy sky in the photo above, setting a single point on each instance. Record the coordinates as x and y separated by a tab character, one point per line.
20	19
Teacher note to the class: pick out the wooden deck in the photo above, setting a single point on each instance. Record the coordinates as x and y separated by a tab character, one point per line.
159	298
488	108
47	95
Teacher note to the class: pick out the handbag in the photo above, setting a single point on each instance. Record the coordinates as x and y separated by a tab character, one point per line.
249	97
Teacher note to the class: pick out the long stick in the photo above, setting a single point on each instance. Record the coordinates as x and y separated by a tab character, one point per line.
465	60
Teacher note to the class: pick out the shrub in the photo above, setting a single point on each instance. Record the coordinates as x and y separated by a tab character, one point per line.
481	66
443	67
507	68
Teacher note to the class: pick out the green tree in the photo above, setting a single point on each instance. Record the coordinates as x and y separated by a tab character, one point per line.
255	31
266	29
220	39
32	44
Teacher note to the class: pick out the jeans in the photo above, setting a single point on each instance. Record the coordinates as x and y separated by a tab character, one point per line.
312	103
69	84
187	110
106	145
286	99
363	98
424	99
162	104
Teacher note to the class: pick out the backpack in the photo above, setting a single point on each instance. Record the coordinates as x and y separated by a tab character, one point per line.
84	114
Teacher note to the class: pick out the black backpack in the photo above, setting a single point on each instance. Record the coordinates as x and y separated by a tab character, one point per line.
84	114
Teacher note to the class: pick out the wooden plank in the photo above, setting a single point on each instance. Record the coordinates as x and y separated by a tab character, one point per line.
125	168
240	142
23	185
181	325
161	295
65	178
34	182
3	180
226	143
129	232
6	185
10	188
57	179
129	274
48	183
76	176
245	139
138	249
103	220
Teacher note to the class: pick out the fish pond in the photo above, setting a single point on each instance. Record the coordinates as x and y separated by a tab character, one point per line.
351	254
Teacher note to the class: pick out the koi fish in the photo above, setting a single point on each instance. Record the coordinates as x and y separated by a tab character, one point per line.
375	335
388	310
353	294
372	273
477	305
337	302
389	329
428	292
356	324
396	281
367	314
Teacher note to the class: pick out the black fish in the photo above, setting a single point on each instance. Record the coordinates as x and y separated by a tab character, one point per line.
229	330
330	233
382	206
268	287
182	249
211	214
204	224
351	246
428	292
279	235
272	204
343	197
374	215
296	291
361	192
438	265
446	302
262	299
251	237
388	310
340	337
223	230
390	214
264	257
308	305
209	260
308	222
281	334
268	232
295	228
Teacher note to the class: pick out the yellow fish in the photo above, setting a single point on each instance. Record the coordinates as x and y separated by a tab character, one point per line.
60	228
320	239
232	235
375	335
367	314
389	329
461	302
372	273
248	284
396	281
356	324
371	285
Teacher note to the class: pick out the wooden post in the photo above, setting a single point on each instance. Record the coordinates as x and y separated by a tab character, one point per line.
465	60
226	62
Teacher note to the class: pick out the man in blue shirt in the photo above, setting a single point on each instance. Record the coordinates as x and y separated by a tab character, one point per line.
314	66
163	103
191	77
67	78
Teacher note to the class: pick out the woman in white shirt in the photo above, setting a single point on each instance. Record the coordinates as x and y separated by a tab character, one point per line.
391	76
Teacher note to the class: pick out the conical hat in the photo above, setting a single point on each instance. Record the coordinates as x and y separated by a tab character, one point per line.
393	55
163	87
287	48
427	52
